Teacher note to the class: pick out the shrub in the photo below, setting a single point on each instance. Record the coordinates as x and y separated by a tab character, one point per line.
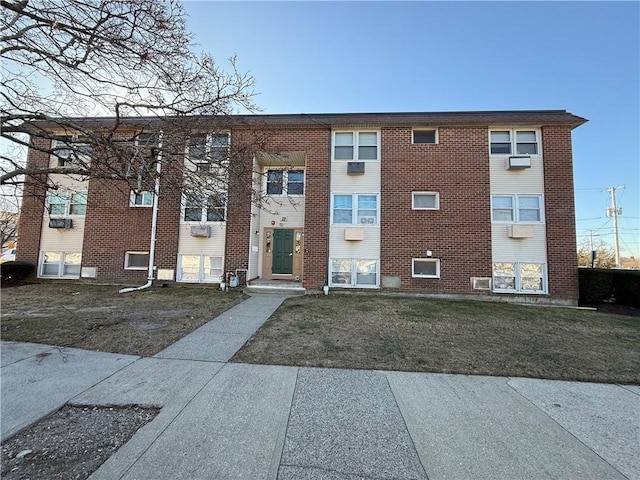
595	285
16	271
626	287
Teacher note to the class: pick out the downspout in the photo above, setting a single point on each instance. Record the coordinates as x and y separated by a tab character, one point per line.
154	225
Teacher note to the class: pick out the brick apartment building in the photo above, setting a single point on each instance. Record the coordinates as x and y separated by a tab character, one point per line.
449	203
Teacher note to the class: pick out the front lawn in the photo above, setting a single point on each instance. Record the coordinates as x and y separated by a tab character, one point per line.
469	337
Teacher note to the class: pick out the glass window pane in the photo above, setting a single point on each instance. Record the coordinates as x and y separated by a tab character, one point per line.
344	139
344	153
51	264
368	139
72	264
78	204
367	153
425	267
529	215
424	200
275	180
529	202
501	148
367	209
531	277
365	272
212	268
295	182
424	136
57	203
527	136
193	214
502	202
504	276
527	149
501	137
341	271
138	260
220	140
342	201
216	208
502	208
197	147
342	209
190	267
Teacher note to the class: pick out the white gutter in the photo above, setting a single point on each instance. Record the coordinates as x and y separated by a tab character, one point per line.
154	225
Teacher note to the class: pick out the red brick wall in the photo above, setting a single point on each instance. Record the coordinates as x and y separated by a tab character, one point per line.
459	233
560	212
33	203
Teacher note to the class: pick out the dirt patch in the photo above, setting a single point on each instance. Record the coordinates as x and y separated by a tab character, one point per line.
467	337
71	443
97	317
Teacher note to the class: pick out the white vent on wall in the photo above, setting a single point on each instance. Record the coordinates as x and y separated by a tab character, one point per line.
481	283
200	231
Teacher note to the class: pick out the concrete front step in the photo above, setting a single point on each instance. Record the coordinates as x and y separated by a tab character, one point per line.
278	290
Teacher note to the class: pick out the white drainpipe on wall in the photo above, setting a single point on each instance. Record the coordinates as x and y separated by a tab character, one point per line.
154	224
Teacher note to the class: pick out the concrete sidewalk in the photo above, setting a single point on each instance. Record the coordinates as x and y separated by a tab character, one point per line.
235	421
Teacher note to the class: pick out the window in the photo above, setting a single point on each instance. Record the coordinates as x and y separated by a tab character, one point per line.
425	201
425	268
136	261
365	213
356	146
66	203
425	135
141	199
214	210
514	142
285	182
60	264
70	150
352	272
206	150
200	268
516	208
513	277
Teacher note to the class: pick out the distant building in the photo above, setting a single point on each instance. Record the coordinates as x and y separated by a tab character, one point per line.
477	203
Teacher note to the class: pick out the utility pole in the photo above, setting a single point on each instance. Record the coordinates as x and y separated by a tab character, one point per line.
613	212
593	252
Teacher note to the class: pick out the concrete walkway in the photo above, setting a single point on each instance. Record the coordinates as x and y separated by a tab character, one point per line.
235	421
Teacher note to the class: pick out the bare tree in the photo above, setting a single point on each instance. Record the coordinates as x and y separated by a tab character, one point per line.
605	257
130	60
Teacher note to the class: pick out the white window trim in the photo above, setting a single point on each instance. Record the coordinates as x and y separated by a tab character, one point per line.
354	273
201	268
416	275
126	261
518	280
285	181
132	198
515	197
69	159
203	214
513	140
413	130
413	203
356	138
60	266
354	210
67	205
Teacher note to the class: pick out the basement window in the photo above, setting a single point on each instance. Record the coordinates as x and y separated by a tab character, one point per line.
136	261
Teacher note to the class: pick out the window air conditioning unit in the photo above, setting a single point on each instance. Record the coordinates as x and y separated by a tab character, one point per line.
201	231
520	231
480	283
519	162
60	223
355	168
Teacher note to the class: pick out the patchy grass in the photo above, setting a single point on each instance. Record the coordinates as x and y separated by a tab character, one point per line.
469	337
97	317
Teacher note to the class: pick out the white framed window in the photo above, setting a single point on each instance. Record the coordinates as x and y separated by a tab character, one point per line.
355	209
136	260
514	142
284	182
141	199
519	277
211	209
356	146
200	268
207	150
516	209
354	273
427	136
66	203
60	264
71	150
425	201
425	268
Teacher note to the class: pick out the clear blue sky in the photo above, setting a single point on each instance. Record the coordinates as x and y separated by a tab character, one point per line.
583	57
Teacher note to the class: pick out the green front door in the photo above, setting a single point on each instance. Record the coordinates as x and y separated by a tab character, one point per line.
282	252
